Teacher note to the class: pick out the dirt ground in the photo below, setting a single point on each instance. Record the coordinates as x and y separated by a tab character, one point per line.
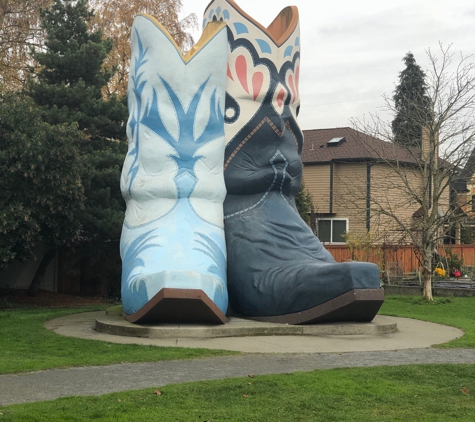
12	298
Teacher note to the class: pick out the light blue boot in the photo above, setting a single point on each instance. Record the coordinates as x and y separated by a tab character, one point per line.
172	244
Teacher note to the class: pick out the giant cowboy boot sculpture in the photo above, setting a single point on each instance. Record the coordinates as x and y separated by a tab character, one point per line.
277	269
172	244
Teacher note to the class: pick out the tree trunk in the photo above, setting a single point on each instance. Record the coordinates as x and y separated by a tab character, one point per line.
427	285
427	274
40	272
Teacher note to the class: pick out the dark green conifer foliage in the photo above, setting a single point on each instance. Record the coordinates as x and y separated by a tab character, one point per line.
68	87
412	104
41	195
305	208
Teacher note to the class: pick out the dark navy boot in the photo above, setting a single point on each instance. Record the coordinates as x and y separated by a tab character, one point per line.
277	269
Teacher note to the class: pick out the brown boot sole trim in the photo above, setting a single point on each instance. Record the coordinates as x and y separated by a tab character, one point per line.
359	305
181	306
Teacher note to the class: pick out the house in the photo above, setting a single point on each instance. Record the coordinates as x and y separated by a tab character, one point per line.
463	191
355	179
465	186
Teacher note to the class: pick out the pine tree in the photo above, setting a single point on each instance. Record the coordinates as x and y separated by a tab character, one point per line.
68	88
411	104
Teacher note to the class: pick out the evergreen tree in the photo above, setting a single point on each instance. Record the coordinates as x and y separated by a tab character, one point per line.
411	104
304	204
41	194
68	88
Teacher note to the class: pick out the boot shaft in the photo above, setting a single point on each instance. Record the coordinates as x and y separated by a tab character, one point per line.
175	127
263	139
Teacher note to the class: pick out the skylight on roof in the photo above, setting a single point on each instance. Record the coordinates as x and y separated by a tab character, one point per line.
336	141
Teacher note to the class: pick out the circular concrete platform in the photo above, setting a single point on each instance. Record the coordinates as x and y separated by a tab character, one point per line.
410	334
112	322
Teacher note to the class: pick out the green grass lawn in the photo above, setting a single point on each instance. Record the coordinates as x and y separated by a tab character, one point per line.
407	393
27	346
404	393
455	311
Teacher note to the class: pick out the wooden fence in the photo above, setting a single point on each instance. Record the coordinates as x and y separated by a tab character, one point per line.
398	258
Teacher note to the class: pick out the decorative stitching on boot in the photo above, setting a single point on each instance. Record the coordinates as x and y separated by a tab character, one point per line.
233	154
258	202
274	127
276	174
287	124
281	187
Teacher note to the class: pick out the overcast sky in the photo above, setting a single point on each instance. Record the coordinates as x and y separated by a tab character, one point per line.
352	50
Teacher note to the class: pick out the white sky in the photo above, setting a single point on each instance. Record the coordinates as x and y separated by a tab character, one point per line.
352	50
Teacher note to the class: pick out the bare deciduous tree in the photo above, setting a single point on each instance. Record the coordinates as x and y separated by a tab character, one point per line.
115	18
422	177
19	30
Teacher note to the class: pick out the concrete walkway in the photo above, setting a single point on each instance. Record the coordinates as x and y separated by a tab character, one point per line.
274	355
87	381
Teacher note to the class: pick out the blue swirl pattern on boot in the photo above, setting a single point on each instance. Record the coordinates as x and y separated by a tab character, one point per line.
172	179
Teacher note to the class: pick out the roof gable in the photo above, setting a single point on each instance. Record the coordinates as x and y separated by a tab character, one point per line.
357	147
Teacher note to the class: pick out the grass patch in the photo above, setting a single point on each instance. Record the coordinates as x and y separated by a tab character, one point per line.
455	311
405	393
27	346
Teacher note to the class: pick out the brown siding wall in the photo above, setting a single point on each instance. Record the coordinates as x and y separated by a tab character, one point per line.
445	198
350	195
390	191
317	182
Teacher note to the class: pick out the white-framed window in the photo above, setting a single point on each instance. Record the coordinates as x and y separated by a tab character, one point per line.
331	230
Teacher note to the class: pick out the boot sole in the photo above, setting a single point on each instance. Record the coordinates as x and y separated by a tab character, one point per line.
179	306
359	305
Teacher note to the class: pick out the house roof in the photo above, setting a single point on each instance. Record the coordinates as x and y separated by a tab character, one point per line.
466	174
469	168
356	146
